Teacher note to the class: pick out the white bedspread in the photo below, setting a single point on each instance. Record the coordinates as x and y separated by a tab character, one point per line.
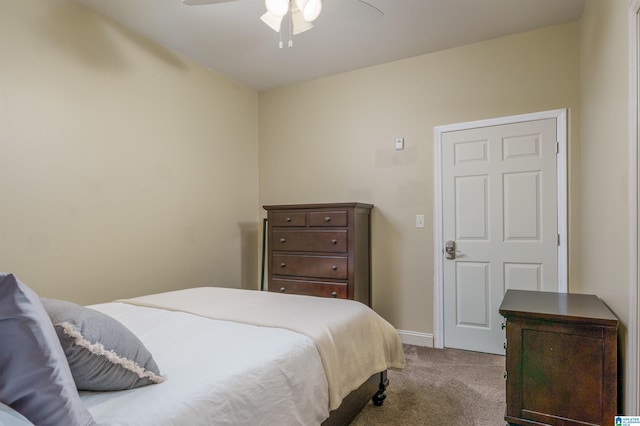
353	341
218	373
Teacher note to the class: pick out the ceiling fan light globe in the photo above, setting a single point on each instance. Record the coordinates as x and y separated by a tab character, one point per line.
277	7
300	24
310	9
274	22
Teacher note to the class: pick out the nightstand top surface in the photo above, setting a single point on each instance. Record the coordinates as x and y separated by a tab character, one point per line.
557	307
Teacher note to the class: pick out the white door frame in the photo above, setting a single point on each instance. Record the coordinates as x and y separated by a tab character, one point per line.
632	387
560	115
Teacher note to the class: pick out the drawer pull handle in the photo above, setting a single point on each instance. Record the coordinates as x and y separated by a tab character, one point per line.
327	219
334	268
282	240
334	241
334	294
282	289
282	264
288	219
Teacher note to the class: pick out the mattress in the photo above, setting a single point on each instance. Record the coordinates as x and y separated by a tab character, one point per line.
353	341
218	373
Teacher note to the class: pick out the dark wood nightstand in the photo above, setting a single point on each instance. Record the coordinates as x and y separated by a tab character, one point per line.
561	359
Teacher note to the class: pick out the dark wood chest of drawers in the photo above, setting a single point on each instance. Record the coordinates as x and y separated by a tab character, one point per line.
320	250
561	359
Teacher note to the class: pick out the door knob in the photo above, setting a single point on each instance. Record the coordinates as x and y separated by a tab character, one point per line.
450	249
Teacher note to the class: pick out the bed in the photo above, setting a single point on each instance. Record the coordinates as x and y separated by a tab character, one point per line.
241	357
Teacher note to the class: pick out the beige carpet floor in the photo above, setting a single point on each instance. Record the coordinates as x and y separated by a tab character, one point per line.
442	387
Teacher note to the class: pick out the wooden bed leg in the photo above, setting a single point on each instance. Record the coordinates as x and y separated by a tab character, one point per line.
380	396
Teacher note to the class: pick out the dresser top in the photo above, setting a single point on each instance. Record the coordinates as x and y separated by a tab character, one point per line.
557	307
319	206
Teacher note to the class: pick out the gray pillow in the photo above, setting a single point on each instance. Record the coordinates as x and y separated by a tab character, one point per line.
102	353
34	375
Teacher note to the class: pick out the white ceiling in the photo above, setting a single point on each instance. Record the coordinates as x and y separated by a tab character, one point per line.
231	39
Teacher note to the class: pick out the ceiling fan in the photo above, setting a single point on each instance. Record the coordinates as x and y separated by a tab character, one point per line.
301	13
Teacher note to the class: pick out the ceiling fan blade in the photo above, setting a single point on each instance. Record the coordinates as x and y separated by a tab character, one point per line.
357	10
203	2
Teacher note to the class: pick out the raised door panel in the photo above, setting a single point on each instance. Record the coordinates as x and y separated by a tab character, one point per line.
471	208
472	305
522	210
523	276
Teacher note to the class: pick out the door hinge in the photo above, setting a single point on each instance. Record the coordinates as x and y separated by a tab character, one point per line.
558	239
557	147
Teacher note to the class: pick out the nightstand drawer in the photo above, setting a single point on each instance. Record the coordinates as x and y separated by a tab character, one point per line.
334	218
309	288
288	219
319	241
310	266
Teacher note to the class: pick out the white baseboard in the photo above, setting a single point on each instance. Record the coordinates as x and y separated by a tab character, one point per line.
416	338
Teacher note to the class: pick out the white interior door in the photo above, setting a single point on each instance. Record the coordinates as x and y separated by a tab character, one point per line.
499	194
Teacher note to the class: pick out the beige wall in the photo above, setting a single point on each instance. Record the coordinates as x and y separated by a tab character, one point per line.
124	168
604	228
605	149
332	140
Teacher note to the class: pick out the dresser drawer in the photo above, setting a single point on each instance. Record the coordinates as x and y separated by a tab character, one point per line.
288	219
310	266
309	288
319	241
333	218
